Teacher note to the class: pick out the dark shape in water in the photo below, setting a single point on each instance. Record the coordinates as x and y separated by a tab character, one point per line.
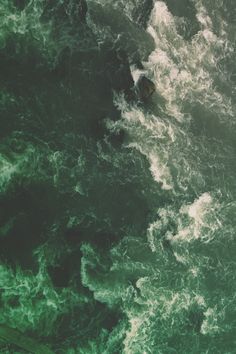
196	319
20	4
125	33
62	273
145	88
185	9
142	12
117	139
118	70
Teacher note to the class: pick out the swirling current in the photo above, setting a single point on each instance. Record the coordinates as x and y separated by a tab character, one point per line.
117	176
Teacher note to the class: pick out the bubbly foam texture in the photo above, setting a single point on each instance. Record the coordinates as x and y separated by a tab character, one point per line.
185	75
169	272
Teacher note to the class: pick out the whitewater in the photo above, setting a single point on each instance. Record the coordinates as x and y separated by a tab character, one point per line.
117	213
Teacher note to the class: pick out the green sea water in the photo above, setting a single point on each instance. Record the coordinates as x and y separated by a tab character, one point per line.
117	214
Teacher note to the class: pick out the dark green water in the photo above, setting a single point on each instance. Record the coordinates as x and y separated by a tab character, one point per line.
117	215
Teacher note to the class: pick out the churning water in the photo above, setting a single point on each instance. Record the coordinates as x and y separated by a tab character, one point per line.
118	214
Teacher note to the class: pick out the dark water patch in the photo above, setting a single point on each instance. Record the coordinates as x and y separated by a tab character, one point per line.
117	139
118	70
20	4
210	124
196	318
68	10
95	319
125	35
142	12
63	273
76	77
63	105
186	10
24	216
75	236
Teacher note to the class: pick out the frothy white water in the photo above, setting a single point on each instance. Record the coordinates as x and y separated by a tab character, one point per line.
184	73
7	170
186	165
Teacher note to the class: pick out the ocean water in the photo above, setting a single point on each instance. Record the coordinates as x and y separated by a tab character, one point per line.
117	213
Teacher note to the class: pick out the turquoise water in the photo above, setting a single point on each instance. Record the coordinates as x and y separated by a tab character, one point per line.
117	214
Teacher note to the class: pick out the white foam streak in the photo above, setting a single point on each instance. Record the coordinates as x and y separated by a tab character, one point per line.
7	170
183	73
181	68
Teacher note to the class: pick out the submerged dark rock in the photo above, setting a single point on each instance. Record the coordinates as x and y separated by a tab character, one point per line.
145	88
